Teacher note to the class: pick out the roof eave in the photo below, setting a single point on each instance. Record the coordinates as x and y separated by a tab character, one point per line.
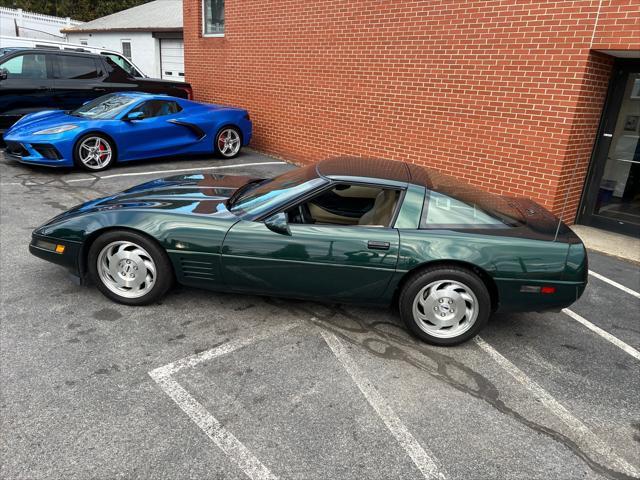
124	29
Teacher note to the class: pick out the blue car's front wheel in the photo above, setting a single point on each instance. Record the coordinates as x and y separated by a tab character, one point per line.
94	152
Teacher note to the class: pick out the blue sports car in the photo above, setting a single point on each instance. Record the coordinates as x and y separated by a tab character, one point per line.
127	126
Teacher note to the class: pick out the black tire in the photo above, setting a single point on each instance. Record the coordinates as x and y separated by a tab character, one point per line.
85	166
456	275
217	142
163	276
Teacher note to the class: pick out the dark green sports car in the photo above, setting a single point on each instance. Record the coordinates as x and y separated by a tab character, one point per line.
343	230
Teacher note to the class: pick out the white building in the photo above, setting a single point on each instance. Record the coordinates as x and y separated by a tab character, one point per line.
15	22
150	35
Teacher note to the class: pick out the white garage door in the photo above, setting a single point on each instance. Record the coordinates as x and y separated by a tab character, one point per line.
172	59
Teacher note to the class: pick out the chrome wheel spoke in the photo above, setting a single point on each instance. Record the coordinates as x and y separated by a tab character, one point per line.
126	269
445	308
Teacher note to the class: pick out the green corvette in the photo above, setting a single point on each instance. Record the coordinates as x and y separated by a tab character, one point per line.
343	230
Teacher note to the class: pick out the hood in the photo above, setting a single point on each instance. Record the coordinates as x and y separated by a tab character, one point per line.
34	122
193	194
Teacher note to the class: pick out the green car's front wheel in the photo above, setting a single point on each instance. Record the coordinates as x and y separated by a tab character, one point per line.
129	268
445	305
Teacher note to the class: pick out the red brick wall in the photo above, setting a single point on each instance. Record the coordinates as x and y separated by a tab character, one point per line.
506	93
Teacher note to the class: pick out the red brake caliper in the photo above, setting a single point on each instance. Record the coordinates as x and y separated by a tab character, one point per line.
101	148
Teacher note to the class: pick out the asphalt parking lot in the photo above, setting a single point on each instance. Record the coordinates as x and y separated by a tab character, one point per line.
209	385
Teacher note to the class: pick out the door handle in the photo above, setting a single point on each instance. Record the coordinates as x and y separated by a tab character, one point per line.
375	245
97	89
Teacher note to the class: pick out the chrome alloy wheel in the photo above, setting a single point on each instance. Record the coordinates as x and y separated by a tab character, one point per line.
445	308
126	269
95	152
229	142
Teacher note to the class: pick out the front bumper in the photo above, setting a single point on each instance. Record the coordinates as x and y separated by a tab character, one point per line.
45	248
38	151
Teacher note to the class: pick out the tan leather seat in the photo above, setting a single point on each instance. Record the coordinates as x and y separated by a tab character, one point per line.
382	210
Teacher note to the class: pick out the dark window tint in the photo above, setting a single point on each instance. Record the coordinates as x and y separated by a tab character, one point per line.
26	66
158	108
76	68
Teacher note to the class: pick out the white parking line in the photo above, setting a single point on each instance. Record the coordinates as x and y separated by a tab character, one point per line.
158	172
222	437
614	283
583	435
604	334
425	462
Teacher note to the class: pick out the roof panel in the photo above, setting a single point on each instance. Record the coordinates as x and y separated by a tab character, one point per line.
159	15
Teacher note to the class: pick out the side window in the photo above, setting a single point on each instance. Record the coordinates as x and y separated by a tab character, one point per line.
444	211
26	66
122	63
158	108
76	68
347	204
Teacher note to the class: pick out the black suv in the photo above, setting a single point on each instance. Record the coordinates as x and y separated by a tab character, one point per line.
33	79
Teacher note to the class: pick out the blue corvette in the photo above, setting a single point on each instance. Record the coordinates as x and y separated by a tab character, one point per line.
127	126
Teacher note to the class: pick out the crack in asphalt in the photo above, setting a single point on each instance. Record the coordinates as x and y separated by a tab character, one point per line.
442	368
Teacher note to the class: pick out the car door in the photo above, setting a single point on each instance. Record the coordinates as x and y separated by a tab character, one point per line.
328	261
156	134
27	87
76	80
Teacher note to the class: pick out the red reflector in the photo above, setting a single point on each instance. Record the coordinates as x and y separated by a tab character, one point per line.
548	290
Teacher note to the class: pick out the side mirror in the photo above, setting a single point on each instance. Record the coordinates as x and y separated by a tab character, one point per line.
4	73
278	223
134	116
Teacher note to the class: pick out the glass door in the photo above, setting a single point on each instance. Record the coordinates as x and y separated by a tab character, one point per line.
612	195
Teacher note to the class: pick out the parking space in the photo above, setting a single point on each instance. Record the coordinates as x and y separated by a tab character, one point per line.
210	385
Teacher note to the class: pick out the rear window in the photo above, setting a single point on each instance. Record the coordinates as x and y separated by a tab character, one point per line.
450	203
76	68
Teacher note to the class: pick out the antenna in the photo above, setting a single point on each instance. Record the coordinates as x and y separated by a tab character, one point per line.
566	198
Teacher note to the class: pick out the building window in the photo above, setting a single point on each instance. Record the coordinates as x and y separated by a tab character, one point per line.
213	11
126	49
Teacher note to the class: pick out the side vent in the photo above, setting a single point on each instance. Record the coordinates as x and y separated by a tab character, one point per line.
197	270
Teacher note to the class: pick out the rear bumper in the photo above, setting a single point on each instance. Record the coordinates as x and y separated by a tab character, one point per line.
515	295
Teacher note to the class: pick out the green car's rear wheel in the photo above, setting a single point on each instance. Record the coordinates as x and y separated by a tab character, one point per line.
129	268
445	305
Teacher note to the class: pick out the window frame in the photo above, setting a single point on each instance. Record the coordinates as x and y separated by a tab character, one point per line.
128	42
48	66
204	23
424	225
56	68
139	106
330	186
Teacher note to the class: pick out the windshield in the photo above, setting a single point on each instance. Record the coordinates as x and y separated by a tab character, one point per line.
258	197
106	107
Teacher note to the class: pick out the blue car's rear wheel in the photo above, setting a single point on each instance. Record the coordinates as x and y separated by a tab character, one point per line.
228	142
94	152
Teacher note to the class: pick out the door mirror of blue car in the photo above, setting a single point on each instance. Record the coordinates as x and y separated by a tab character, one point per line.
134	116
